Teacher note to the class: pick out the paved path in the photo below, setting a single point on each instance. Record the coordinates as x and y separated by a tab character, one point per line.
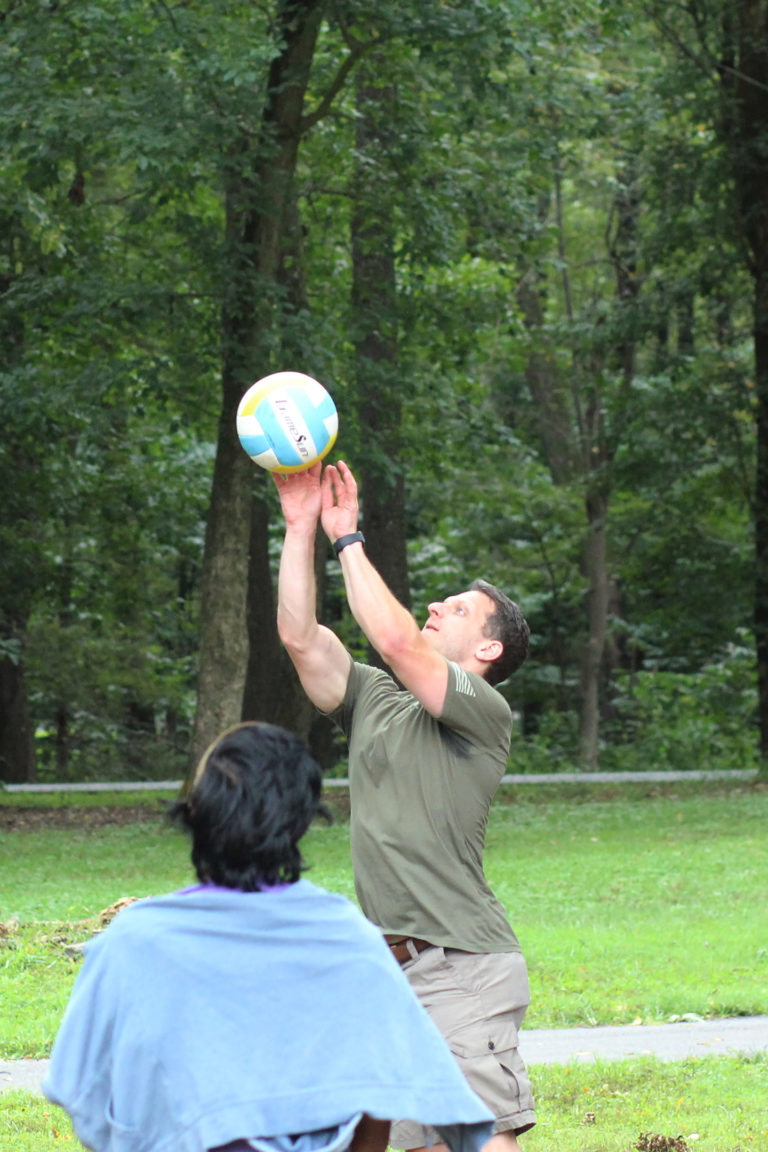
648	777
734	1034
738	1034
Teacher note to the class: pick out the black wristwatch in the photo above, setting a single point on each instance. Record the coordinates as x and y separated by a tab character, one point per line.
351	538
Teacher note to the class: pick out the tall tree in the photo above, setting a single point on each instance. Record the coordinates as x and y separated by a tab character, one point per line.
259	175
743	70
375	327
272	691
20	455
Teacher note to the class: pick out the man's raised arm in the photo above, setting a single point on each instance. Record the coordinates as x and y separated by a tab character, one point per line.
318	655
387	624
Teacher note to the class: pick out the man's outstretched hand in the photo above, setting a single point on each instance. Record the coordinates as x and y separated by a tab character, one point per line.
339	508
300	496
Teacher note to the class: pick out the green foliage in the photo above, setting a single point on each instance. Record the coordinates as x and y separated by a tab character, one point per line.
107	399
661	720
118	670
520	130
677	720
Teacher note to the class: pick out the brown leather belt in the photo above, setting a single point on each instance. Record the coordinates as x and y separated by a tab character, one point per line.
398	946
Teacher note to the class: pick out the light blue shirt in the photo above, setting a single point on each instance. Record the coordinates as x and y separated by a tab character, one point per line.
212	1015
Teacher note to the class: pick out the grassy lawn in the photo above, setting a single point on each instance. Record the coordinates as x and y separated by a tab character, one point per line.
637	910
716	1104
627	909
633	906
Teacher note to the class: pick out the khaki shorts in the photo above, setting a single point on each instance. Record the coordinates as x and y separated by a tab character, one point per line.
478	1002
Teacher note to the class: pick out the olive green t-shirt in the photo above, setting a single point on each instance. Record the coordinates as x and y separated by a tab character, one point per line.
420	792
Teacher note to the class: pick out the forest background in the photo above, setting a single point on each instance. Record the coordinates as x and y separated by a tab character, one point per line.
524	245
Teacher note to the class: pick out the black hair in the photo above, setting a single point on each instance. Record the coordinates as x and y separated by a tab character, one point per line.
507	624
253	796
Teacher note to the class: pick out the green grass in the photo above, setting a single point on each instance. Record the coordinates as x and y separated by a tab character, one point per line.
154	799
63	874
29	1124
629	907
632	910
717	1104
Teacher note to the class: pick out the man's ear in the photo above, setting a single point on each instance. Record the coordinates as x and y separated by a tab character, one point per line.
489	650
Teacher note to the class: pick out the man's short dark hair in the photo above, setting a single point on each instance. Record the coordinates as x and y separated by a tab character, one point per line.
507	624
255	793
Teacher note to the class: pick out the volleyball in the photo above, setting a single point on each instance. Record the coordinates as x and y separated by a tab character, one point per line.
286	422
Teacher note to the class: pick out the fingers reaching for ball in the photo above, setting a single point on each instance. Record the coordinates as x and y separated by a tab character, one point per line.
339	501
306	478
300	495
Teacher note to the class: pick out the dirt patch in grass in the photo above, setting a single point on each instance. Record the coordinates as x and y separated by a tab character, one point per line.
18	819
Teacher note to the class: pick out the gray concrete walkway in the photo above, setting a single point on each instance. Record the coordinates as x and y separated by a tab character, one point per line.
649	777
733	1035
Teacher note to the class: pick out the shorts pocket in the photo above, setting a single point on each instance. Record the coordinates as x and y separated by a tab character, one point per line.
495	1077
485	1037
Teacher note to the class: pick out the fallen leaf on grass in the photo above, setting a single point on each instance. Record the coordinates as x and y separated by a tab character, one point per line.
654	1142
107	915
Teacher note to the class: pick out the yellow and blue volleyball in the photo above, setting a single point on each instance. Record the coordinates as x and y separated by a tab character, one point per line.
287	422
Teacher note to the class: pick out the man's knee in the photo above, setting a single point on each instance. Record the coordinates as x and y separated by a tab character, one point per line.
502	1142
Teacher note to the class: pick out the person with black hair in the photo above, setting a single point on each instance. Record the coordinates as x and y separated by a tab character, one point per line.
252	1010
428	741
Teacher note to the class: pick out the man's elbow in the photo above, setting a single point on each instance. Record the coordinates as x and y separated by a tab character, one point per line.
293	637
396	645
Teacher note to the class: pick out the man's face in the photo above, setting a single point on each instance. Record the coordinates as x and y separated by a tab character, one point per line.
455	626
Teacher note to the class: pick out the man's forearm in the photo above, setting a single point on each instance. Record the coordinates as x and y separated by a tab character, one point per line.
387	624
296	588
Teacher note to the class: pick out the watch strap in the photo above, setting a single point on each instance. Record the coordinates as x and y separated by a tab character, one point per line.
350	538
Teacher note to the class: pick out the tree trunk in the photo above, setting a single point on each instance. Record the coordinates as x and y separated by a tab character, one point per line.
273	691
596	571
761	510
62	741
374	299
259	191
223	637
598	448
555	431
746	128
17	746
573	438
17	749
554	425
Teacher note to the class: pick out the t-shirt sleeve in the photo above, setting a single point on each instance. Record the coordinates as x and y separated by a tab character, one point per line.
475	710
342	714
363	682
